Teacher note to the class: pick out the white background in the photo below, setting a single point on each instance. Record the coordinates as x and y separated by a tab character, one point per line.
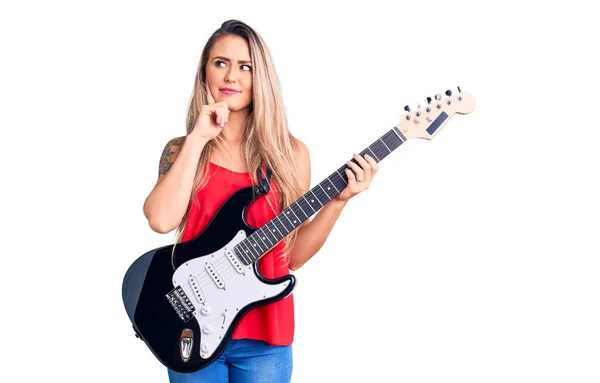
472	258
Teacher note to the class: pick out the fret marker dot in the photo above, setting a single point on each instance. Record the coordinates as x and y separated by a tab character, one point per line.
254	245
273	230
294	221
263	237
328	188
312	200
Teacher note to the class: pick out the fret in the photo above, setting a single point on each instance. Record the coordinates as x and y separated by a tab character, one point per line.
317	198
273	229
255	244
308	203
339	180
285	228
400	135
279	231
273	238
330	193
285	214
383	142
301	208
265	236
253	252
374	155
293	212
256	235
332	184
247	258
379	148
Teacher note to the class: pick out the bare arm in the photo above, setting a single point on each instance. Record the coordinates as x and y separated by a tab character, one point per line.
313	233
167	202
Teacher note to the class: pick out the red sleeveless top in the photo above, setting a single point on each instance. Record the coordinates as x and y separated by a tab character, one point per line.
273	322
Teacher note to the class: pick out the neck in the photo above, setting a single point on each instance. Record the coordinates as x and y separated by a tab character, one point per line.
234	128
259	242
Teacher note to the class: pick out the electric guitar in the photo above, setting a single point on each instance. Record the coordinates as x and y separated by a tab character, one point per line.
185	307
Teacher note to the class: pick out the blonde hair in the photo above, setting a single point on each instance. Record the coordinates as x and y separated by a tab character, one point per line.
266	136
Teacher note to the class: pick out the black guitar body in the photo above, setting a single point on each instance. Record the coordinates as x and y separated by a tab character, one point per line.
209	292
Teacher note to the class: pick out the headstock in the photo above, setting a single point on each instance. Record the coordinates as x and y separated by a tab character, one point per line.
427	119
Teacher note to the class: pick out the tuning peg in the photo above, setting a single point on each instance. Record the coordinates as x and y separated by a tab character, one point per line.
448	93
407	108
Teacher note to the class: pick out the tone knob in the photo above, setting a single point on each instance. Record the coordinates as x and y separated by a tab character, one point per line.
205	347
207	329
205	310
407	108
438	97
428	100
449	93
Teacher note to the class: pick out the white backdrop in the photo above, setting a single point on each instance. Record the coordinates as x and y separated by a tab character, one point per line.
472	258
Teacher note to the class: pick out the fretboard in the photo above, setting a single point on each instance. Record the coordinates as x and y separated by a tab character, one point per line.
263	239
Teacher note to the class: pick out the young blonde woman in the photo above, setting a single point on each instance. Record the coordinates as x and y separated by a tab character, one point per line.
236	125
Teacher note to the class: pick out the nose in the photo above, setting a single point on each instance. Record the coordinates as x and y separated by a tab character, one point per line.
231	75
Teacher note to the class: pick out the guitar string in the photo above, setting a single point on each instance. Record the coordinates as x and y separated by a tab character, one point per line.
225	274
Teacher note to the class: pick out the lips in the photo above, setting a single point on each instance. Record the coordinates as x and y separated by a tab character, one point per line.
229	91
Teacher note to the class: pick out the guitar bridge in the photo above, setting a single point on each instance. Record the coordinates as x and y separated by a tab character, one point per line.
181	304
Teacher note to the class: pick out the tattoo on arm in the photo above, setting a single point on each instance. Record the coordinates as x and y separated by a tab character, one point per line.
167	158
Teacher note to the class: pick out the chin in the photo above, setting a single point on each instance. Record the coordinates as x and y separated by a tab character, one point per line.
235	107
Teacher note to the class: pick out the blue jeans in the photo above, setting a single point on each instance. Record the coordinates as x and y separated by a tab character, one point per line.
244	361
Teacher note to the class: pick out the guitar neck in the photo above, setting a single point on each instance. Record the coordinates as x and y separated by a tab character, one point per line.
263	239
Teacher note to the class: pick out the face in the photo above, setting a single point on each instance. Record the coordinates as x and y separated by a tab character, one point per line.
229	66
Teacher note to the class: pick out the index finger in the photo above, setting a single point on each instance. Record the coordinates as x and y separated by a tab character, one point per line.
209	96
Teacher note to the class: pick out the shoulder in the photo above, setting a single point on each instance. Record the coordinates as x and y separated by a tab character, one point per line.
174	145
301	151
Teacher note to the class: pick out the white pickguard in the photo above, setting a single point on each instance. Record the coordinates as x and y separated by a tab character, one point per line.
221	297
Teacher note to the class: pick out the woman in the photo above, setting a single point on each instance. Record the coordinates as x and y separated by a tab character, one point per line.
236	125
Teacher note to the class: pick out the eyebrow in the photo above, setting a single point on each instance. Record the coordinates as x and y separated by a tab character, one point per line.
228	60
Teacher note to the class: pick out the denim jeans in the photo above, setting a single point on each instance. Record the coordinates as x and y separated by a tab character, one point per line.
244	361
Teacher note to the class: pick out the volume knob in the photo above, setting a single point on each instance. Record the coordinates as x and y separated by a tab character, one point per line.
205	310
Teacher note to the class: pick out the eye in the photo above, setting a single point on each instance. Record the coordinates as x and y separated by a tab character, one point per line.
219	62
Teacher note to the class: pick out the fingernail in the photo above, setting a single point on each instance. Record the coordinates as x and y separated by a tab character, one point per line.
366	155
356	154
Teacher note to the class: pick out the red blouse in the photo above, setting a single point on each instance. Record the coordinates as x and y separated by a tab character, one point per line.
273	322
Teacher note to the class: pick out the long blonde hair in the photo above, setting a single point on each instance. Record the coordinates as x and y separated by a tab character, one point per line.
266	136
